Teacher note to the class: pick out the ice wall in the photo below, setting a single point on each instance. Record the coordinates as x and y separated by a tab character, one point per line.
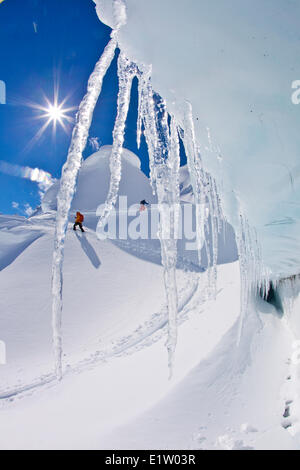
235	61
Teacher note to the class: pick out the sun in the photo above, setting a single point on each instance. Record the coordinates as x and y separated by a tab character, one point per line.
54	113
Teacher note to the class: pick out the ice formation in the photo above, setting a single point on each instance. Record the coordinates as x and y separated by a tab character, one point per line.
162	138
252	275
126	72
67	190
166	175
205	193
163	119
163	148
236	62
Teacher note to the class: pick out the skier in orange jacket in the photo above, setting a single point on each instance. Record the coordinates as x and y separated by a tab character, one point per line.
78	221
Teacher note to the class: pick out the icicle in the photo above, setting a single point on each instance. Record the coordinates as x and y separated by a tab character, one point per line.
289	291
170	262
164	171
205	192
197	175
67	189
164	159
214	211
167	182
140	112
147	109
251	273
126	72
241	244
174	165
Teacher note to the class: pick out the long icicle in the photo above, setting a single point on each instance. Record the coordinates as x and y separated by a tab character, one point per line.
166	172
170	262
213	202
126	72
197	176
67	190
140	113
147	110
205	192
164	159
251	269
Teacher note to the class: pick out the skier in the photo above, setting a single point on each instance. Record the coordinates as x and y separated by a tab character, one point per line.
143	205
78	221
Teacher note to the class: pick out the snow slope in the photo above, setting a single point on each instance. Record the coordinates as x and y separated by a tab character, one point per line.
123	270
114	328
235	62
93	182
115	392
228	391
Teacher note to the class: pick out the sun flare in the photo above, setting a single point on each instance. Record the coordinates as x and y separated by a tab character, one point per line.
55	113
52	113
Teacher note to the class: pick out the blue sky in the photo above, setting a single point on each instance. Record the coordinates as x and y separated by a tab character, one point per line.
43	43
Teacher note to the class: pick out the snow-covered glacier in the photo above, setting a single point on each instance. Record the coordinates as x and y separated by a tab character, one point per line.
218	78
236	62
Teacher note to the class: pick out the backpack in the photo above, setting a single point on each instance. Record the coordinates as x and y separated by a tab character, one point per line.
80	217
